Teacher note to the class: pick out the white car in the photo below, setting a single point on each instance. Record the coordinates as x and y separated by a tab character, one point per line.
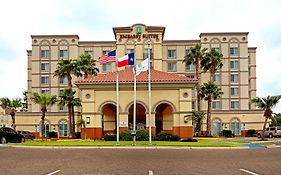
271	132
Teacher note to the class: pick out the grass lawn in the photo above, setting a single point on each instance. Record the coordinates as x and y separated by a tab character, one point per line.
78	142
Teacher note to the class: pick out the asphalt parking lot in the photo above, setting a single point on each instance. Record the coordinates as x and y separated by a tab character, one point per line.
58	161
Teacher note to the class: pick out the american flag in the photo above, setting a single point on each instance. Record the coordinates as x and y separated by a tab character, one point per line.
108	57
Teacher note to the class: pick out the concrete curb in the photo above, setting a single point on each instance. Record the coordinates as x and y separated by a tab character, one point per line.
125	147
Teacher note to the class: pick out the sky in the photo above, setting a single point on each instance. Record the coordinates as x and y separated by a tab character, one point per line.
93	20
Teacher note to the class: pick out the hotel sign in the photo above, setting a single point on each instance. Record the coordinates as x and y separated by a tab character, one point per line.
138	36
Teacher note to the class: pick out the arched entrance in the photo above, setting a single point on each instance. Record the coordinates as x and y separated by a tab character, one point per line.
235	126
45	129
217	127
109	119
164	118
140	116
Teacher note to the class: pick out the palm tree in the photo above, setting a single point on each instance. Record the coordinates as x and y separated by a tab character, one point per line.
86	65
66	68
81	123
212	62
25	101
44	100
209	91
10	107
197	119
67	97
266	104
194	55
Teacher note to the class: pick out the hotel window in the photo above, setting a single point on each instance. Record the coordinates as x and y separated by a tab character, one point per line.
234	78
193	93
61	91
234	104
187	51
193	105
189	67
234	64
217	78
145	53
217	49
172	53
106	67
44	66
64	54
216	105
130	51
172	67
44	80
63	108
45	91
105	52
233	51
86	52
45	54
234	91
63	80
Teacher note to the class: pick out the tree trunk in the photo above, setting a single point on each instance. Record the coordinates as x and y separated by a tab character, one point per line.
85	134
13	115
73	121
43	121
209	117
69	78
198	83
70	120
199	128
264	126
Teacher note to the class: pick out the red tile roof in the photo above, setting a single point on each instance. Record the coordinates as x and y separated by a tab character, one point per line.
126	76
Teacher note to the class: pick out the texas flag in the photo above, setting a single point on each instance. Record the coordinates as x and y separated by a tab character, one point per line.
128	59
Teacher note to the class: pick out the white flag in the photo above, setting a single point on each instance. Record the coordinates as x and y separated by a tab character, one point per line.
143	66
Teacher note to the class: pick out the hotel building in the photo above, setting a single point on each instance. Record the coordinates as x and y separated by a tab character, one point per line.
172	98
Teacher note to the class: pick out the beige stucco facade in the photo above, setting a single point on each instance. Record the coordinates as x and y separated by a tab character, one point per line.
237	78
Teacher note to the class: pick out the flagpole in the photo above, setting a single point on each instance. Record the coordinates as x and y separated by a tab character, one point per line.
117	99
149	93
135	97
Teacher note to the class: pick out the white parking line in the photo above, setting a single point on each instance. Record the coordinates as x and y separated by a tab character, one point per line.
54	172
249	172
150	172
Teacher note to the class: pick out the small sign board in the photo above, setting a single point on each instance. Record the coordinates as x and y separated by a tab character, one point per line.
123	124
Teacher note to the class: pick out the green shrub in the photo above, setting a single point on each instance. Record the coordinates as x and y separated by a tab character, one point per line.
251	132
188	140
166	136
126	136
227	133
142	135
110	137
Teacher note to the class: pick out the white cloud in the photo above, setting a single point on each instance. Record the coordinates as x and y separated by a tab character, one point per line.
93	20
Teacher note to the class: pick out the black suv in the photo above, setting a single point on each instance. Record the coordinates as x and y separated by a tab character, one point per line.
10	135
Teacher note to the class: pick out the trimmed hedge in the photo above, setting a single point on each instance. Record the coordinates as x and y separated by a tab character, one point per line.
166	136
110	137
142	135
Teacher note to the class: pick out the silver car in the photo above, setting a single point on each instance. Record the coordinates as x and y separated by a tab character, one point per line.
271	132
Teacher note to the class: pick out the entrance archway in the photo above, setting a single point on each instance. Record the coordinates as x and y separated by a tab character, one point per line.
164	118
217	127
109	119
140	116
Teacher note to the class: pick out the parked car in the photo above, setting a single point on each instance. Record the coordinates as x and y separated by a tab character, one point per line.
10	135
271	132
26	134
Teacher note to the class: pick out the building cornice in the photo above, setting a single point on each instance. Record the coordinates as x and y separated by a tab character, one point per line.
223	33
